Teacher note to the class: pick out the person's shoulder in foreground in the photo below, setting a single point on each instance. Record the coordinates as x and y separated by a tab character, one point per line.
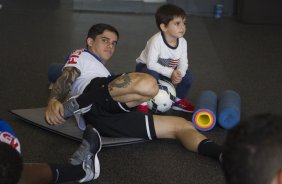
11	164
253	151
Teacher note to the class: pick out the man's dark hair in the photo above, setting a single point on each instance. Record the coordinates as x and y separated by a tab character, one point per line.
253	150
167	12
98	29
11	164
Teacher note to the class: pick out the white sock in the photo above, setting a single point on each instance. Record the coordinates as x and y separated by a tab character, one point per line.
144	104
177	99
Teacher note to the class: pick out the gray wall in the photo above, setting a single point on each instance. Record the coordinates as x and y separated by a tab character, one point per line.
192	7
205	7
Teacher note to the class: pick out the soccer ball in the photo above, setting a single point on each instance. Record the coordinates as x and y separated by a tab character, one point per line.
163	101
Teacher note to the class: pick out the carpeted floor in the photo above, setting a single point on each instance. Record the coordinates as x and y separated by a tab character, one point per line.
223	54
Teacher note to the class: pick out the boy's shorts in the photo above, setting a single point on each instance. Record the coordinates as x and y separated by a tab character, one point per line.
115	119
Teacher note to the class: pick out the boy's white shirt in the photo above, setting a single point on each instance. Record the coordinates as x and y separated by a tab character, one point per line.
156	50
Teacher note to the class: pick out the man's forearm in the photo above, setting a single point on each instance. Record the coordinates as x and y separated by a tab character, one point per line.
62	86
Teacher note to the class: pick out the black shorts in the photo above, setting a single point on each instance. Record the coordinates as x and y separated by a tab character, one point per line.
115	119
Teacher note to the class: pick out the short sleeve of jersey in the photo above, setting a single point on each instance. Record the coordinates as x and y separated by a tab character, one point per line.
74	59
90	67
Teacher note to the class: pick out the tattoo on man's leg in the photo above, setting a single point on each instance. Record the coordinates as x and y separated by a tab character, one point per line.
120	82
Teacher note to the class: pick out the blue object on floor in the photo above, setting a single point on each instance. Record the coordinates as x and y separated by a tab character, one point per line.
54	71
204	116
229	109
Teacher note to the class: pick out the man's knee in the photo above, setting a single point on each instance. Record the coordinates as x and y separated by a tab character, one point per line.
146	84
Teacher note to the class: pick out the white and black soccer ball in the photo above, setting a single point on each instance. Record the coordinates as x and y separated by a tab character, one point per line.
163	101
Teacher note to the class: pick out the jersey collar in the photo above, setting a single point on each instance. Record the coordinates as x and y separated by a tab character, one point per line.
94	55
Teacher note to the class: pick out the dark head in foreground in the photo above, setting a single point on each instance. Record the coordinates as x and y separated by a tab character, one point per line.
11	164
253	151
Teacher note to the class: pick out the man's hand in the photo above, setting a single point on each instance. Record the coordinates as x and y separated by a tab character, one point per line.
176	77
55	112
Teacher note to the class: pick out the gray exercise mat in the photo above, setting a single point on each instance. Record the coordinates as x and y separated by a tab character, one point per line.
69	129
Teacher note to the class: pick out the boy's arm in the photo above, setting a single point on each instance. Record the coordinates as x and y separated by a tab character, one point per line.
183	61
152	61
153	52
176	77
55	111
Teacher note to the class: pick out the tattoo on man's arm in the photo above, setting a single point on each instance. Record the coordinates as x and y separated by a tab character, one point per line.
63	84
121	82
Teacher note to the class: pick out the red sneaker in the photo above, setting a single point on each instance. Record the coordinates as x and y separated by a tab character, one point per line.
183	105
142	108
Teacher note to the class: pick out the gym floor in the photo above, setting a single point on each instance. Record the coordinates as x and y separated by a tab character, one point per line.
223	54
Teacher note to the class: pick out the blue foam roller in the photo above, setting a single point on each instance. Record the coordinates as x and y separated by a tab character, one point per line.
229	109
204	116
54	71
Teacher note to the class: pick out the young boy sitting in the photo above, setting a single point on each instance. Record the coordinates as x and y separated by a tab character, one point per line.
165	55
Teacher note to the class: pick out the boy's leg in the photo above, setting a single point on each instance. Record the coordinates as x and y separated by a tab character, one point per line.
140	67
181	103
183	87
178	128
